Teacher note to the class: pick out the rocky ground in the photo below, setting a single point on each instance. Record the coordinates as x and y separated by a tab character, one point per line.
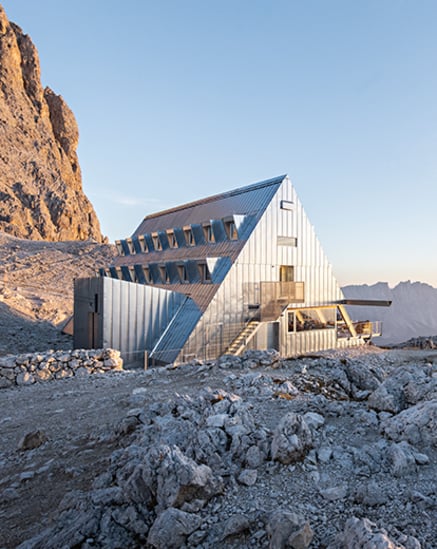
332	451
337	450
36	289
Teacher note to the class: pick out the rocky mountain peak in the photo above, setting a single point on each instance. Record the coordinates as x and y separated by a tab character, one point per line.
41	194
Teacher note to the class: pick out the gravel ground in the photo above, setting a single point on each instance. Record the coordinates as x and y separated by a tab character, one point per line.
86	420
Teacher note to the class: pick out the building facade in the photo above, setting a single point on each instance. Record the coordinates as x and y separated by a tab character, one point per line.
239	270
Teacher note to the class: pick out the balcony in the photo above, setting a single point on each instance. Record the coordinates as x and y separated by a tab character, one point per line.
275	296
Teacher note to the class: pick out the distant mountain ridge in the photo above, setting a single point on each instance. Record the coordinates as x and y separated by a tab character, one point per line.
41	194
413	312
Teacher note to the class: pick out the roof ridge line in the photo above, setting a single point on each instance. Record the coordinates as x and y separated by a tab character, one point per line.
206	200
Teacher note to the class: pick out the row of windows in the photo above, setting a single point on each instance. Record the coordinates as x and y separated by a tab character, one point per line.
187	272
191	235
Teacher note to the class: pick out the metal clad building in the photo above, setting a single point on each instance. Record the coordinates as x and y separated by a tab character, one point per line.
243	269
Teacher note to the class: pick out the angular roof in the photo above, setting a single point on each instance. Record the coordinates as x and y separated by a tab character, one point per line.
247	200
248	203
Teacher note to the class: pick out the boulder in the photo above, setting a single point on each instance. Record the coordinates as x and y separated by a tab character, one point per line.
287	529
291	439
171	529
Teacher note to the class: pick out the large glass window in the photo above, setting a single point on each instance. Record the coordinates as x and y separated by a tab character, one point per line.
304	320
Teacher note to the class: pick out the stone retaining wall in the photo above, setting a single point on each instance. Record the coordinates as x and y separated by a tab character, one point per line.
32	368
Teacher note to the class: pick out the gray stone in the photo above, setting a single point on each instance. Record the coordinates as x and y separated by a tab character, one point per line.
324	454
180	480
254	457
248	477
32	440
235	526
416	425
313	420
334	493
286	529
5	383
361	533
401	459
24	378
291	439
171	529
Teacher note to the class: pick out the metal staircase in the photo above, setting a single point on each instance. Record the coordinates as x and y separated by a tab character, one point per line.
240	342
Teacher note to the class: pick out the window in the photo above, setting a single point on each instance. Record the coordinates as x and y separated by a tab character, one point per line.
165	277
205	275
286	273
305	320
287	241
231	230
189	236
208	232
143	243
183	274
291	321
132	274
119	247
130	245
287	205
156	242
172	242
147	277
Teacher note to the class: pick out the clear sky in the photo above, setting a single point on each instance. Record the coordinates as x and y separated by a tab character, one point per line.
180	99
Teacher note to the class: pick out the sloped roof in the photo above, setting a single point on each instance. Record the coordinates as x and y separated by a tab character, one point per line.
250	202
244	200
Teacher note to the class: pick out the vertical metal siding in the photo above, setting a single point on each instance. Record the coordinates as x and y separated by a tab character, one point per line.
260	260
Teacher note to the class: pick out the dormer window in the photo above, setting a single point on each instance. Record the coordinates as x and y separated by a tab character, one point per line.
156	242
163	272
208	232
205	275
189	236
142	242
183	274
132	274
172	242
147	277
231	230
130	245
119	247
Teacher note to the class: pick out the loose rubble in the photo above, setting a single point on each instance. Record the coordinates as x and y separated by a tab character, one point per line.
33	368
258	451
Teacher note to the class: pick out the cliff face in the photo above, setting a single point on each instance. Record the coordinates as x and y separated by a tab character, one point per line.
41	194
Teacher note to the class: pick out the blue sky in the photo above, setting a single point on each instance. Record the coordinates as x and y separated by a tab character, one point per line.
176	100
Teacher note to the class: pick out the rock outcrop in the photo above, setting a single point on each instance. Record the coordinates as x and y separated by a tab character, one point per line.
41	194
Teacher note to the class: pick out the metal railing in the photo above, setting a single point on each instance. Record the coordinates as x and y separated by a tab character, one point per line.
275	296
